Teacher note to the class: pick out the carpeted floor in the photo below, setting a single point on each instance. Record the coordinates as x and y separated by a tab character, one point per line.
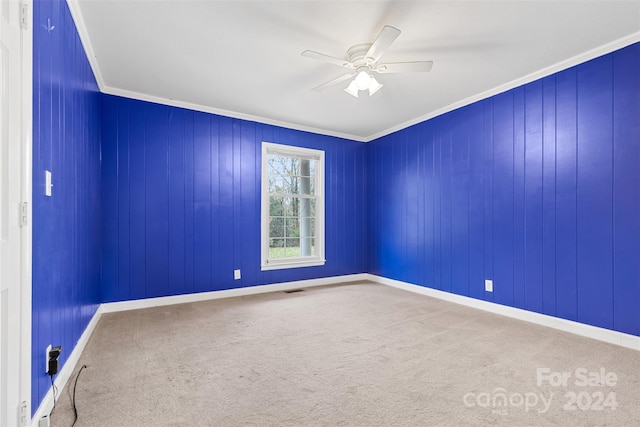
351	355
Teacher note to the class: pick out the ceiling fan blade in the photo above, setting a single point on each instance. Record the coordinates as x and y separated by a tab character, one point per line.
387	36
333	82
405	67
326	58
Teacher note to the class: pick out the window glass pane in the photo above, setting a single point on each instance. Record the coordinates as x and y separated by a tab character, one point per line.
292	184
276	206
275	183
283	206
292	227
306	227
312	186
312	226
292	247
305	207
276	248
307	167
276	227
310	246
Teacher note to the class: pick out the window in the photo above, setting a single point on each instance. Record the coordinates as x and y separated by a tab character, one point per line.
292	207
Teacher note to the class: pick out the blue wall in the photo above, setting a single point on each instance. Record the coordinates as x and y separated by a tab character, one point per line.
181	201
66	226
537	188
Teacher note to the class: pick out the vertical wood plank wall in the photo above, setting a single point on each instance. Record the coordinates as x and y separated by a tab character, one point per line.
66	226
537	188
181	201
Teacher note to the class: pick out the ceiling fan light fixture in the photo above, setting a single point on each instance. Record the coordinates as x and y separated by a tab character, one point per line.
374	86
363	62
363	80
352	89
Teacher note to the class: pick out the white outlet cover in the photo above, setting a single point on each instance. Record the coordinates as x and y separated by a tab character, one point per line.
236	275
46	359
488	285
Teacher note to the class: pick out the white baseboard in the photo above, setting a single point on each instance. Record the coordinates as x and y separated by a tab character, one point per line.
111	307
65	373
44	410
594	332
601	334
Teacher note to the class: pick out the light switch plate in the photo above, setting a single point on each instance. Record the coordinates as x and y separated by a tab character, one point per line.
47	183
488	285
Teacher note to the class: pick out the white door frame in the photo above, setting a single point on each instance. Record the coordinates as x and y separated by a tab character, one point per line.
16	386
26	191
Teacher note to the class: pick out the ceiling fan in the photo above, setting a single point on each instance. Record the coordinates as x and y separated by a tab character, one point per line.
363	62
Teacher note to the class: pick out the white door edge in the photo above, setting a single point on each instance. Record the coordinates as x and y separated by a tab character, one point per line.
26	192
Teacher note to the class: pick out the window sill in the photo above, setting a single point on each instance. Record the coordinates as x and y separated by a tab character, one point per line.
279	265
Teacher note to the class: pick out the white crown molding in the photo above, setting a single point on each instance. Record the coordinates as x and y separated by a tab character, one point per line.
576	328
227	113
78	19
76	14
547	71
562	65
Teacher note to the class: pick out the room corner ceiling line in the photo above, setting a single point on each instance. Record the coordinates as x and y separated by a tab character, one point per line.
557	67
78	18
74	8
232	114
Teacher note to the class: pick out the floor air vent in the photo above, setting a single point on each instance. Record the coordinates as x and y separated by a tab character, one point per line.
293	291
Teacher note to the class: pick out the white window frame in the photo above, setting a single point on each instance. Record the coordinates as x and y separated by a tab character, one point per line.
269	148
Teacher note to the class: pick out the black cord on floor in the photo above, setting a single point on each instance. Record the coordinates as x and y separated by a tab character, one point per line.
55	392
73	400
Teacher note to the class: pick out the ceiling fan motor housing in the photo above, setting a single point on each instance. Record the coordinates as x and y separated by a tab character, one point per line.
357	54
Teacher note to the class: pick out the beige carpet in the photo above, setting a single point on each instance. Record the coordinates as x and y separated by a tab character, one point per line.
350	355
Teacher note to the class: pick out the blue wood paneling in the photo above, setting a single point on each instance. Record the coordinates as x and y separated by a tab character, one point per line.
549	196
66	226
533	196
476	202
566	196
121	211
519	217
503	198
536	188
186	208
626	189
594	192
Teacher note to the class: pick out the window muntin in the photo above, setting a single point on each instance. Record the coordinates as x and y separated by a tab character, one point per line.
292	206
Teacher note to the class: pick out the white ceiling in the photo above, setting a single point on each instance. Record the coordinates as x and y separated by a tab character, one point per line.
242	58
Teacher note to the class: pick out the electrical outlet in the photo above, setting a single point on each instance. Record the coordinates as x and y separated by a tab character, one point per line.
488	285
45	421
53	355
236	275
46	359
